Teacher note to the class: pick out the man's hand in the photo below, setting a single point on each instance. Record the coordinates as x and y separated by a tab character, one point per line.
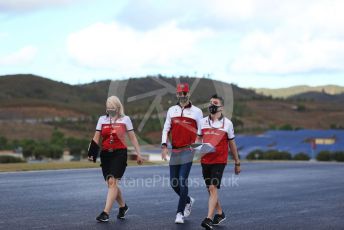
139	159
237	168
90	158
164	153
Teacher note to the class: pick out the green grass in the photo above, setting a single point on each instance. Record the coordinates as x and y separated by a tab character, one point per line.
55	165
13	167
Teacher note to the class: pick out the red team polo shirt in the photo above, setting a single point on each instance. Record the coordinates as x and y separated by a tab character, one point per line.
118	130
182	124
218	134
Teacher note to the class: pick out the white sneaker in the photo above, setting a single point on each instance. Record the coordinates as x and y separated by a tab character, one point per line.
188	207
179	218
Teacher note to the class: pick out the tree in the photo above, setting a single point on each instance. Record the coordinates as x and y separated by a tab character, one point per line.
57	138
76	146
39	151
54	152
47	150
324	156
338	156
3	142
286	127
28	148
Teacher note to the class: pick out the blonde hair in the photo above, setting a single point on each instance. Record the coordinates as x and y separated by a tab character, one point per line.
113	102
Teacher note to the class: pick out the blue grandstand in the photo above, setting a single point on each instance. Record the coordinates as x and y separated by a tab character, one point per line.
292	141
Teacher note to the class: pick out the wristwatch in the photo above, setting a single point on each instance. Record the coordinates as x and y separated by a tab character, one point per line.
237	164
163	145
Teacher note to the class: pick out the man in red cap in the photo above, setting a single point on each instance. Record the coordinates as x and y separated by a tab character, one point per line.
182	122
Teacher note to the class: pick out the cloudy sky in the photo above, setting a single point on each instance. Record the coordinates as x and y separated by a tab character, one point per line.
253	43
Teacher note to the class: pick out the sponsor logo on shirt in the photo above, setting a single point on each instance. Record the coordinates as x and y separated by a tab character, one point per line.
212	133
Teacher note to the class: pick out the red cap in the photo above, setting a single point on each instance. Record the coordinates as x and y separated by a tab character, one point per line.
182	87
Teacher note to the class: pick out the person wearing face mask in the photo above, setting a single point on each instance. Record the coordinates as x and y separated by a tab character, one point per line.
181	124
219	132
112	130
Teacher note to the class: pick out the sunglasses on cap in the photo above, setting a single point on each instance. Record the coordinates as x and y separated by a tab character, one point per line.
182	93
217	103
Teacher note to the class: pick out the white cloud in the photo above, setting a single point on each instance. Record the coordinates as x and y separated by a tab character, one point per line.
304	42
271	37
3	35
220	37
20	57
125	49
230	9
24	5
275	53
148	14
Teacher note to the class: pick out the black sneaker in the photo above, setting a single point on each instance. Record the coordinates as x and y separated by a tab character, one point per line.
218	219
122	211
103	217
207	224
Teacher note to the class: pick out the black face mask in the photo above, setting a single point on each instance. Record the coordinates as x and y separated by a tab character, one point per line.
111	112
213	109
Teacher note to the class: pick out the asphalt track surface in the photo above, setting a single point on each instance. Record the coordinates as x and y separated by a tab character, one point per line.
265	196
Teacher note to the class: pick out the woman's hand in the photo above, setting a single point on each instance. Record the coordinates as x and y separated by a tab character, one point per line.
133	139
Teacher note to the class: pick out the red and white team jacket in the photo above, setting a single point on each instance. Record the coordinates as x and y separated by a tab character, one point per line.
117	130
182	124
218	134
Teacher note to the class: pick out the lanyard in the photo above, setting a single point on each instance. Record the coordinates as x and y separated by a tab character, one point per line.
223	123
111	136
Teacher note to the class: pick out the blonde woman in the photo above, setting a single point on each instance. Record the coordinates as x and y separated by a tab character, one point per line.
112	129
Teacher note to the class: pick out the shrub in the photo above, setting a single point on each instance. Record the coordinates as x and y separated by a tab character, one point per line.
54	151
268	155
301	108
28	147
255	155
338	156
301	157
3	142
276	155
57	138
39	151
77	146
286	127
47	150
324	156
10	159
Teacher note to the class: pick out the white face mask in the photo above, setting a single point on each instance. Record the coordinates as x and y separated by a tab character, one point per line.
111	112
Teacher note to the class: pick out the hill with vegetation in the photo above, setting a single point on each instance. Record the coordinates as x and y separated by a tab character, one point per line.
32	107
295	90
